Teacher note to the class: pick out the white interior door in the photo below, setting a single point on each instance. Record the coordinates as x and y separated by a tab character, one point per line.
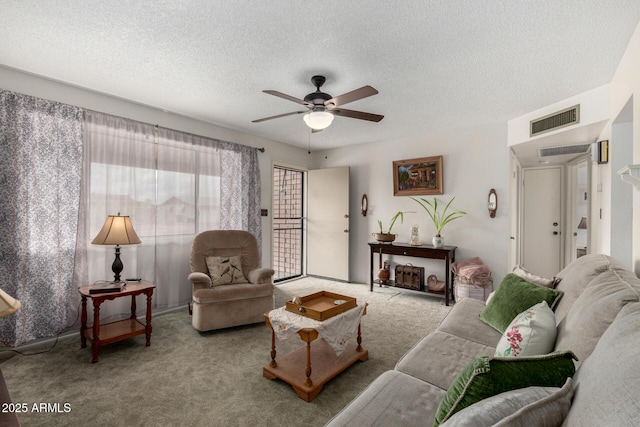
328	223
514	219
541	221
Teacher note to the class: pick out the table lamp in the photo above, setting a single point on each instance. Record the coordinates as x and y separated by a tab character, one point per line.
117	230
8	304
583	223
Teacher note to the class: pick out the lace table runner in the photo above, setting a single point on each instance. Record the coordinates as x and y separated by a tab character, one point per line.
336	331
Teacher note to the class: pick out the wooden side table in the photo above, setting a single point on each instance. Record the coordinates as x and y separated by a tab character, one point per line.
100	335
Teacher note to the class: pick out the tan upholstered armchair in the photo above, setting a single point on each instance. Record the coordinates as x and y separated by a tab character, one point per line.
229	287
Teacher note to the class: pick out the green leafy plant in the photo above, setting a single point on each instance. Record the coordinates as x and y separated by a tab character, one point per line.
439	219
394	218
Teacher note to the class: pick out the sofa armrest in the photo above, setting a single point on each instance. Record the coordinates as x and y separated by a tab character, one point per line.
199	280
261	275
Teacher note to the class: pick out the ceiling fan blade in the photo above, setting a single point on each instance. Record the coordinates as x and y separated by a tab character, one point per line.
279	115
288	97
356	114
354	95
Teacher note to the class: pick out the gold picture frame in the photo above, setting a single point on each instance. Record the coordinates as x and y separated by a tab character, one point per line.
418	177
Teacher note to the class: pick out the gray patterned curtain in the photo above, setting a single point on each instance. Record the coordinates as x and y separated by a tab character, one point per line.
40	173
240	189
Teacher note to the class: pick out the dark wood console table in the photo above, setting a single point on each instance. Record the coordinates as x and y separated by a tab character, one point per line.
446	253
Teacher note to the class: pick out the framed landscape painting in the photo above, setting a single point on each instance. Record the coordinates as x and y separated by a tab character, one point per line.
417	177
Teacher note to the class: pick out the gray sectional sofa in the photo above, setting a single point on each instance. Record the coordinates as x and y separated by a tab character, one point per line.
598	319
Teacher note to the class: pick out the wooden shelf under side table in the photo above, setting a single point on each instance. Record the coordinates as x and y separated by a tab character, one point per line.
107	333
446	253
296	370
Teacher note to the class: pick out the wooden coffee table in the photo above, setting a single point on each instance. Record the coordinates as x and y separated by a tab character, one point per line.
310	367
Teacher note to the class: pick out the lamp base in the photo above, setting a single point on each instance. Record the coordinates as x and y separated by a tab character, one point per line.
117	266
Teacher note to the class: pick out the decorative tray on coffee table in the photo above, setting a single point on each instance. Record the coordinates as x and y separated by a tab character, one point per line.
321	305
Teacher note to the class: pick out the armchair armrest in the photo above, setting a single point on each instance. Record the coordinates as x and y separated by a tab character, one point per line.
261	275
199	280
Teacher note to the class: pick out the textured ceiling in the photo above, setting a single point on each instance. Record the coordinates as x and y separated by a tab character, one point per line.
437	64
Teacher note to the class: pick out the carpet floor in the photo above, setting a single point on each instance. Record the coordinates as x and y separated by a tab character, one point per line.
215	378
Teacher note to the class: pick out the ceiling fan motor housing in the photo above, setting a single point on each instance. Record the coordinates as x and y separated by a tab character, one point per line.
318	98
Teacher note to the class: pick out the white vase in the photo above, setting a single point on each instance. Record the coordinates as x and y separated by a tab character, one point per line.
438	241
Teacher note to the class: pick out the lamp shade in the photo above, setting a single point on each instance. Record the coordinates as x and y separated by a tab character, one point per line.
8	304
583	223
318	120
117	230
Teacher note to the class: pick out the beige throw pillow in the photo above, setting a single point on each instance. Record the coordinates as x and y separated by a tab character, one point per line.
539	406
532	278
225	270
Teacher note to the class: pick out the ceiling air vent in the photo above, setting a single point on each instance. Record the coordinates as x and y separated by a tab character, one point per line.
560	119
566	149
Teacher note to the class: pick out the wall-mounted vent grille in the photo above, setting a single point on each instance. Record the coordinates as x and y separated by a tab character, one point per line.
567	149
560	119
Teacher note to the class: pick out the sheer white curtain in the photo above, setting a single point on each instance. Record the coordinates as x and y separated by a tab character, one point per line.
168	183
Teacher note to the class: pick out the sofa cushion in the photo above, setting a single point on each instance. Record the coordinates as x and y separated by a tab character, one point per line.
439	357
575	277
513	296
392	399
219	294
594	310
523	407
485	377
463	321
225	270
606	384
532	332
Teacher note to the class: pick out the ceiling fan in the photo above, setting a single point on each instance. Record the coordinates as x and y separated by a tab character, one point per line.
322	107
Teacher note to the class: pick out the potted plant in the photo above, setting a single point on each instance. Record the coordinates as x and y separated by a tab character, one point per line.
439	219
387	237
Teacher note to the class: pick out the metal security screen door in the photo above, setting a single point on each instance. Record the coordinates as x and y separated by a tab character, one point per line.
288	197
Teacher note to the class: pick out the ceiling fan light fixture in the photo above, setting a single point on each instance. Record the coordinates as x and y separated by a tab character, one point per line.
318	120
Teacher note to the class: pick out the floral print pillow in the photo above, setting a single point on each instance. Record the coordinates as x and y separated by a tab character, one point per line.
530	333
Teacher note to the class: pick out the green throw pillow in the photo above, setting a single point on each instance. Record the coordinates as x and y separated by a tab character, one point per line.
513	296
488	376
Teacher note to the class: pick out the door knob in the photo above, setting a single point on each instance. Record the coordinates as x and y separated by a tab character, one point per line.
346	231
555	224
555	233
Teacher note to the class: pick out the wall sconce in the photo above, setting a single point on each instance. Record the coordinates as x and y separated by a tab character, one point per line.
364	205
631	175
492	203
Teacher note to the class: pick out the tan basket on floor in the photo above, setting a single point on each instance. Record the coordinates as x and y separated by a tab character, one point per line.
463	291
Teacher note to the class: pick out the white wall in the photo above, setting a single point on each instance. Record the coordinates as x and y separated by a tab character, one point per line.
28	84
474	161
625	88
